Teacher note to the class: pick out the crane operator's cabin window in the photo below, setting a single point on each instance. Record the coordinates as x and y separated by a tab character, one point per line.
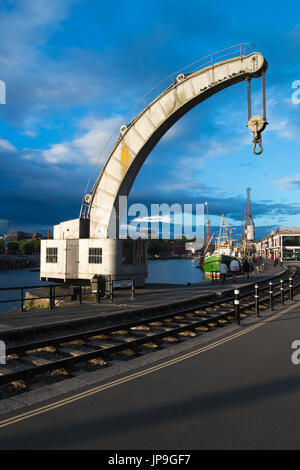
95	255
51	255
128	251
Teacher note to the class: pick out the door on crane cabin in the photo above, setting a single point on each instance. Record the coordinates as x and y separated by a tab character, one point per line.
72	259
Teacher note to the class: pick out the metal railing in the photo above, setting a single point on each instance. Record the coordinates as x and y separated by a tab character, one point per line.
79	292
53	297
285	291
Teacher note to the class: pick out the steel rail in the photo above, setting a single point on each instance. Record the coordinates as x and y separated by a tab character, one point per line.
105	352
109	329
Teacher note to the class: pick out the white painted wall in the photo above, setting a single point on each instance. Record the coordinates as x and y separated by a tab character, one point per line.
66	230
73	261
53	270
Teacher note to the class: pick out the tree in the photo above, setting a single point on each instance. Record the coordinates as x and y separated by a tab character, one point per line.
29	246
157	246
13	247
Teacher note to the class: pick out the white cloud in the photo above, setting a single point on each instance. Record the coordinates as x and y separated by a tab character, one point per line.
29	133
36	79
23	29
288	182
58	153
186	174
6	146
94	140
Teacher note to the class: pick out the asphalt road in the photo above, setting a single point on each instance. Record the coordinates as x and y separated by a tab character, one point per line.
242	392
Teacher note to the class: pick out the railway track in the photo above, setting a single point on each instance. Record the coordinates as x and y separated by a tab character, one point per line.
52	359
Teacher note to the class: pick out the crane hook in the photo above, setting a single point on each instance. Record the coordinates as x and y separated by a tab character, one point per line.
256	124
257	142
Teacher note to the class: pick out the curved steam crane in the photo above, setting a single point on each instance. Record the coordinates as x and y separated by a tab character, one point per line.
91	245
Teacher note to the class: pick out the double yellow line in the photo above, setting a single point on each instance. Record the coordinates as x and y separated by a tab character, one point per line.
128	378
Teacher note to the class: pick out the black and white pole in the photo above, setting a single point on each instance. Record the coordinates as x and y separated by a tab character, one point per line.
281	291
271	295
237	305
291	289
256	296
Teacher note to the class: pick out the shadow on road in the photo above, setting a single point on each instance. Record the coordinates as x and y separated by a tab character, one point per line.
115	414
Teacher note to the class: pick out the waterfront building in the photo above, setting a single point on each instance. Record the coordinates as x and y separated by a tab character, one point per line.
283	242
17	235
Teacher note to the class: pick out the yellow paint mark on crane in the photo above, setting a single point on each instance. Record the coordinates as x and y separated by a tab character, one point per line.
125	158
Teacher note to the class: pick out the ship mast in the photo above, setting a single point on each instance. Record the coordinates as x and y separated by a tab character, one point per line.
223	241
207	226
249	227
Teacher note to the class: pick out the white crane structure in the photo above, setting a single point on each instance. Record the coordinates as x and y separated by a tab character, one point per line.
90	245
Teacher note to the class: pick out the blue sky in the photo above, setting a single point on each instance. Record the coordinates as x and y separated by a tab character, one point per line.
74	69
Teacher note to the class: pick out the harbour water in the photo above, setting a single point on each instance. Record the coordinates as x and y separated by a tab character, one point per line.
172	271
16	278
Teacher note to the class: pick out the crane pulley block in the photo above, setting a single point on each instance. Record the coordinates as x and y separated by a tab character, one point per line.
257	124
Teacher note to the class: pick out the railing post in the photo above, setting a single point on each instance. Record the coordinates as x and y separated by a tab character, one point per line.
133	290
291	289
281	291
98	291
22	299
50	297
256	296
53	296
271	295
237	305
111	290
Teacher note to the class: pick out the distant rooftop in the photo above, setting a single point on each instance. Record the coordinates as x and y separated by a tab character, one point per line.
284	229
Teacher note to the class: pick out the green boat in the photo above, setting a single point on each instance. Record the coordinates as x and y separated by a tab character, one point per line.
212	263
224	253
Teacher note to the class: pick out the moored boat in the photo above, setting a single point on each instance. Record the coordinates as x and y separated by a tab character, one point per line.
213	262
224	253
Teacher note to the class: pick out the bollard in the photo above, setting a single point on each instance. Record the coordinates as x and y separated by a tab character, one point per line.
212	277
237	305
281	292
2	352
291	293
256	296
53	296
133	290
80	294
271	295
